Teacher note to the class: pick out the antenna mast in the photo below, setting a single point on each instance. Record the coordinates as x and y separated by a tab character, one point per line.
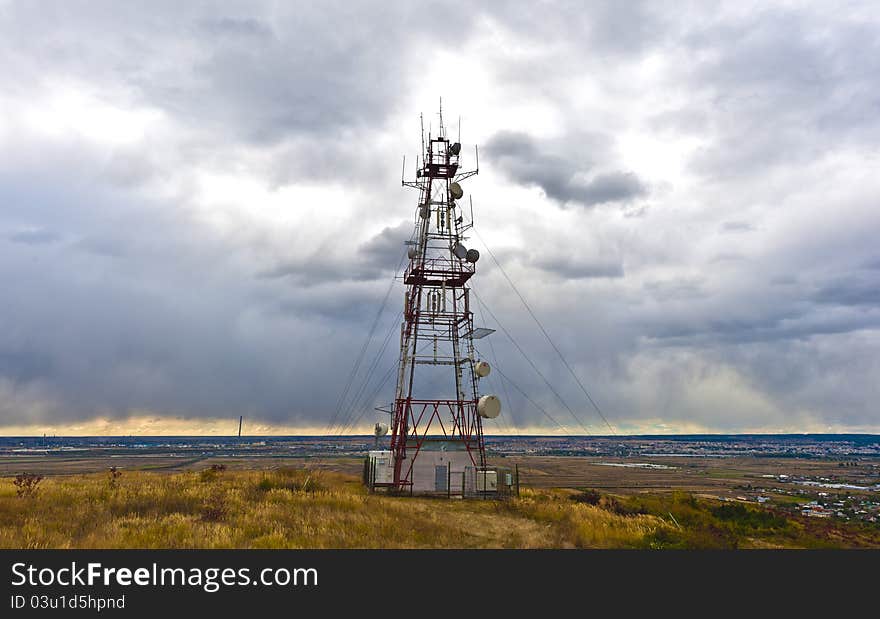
437	419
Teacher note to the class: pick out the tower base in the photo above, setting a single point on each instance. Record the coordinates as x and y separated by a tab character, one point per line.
443	468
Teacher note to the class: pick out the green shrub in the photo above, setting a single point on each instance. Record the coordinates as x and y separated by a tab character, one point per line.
745	517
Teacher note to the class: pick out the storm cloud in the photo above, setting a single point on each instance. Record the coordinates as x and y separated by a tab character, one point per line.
201	212
564	178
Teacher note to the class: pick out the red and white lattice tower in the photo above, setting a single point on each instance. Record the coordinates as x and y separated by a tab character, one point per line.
437	406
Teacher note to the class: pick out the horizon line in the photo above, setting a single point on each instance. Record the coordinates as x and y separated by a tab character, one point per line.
504	435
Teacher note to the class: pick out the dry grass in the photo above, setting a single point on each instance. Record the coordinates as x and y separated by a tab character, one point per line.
578	525
294	508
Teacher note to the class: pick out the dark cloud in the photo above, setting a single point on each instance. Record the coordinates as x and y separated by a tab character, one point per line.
374	259
562	177
387	248
322	268
612	187
850	291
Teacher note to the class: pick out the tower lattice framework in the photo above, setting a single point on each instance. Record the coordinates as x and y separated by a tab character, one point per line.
436	339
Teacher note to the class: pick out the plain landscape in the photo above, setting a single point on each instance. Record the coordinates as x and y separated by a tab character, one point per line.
603	492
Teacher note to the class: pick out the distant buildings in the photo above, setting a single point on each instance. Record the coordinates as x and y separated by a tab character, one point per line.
814	510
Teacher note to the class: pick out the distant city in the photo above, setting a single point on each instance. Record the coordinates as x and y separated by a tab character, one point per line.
702	445
697	445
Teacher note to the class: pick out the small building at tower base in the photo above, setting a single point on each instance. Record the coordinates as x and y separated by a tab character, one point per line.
443	468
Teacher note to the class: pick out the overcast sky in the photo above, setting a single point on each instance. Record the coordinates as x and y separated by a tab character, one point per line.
201	210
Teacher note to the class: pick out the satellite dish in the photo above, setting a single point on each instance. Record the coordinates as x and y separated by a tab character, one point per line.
460	251
482	369
472	255
412	252
489	407
424	212
380	429
455	149
456	191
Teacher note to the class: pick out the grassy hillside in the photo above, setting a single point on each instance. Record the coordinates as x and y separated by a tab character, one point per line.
298	508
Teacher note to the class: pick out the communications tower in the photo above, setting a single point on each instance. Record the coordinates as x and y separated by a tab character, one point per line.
437	415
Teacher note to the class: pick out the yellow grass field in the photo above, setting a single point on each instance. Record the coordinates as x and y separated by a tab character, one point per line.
294	508
317	508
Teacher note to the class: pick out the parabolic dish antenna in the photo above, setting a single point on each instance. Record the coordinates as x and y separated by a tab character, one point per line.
489	407
460	251
456	191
